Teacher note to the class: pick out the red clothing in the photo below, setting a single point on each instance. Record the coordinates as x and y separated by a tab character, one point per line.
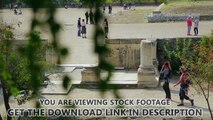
189	22
166	67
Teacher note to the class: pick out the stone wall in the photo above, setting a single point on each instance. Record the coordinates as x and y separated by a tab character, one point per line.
206	17
124	53
161	17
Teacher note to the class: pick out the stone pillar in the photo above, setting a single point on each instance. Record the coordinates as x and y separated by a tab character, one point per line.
147	72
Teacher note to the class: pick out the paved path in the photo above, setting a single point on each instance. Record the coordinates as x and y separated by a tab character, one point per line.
157	30
156	93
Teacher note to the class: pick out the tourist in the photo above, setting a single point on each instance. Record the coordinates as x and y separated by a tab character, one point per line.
184	86
91	17
15	11
166	60
79	27
189	25
65	6
165	71
110	8
20	12
133	6
87	17
106	28
19	23
104	8
124	6
83	29
130	5
196	24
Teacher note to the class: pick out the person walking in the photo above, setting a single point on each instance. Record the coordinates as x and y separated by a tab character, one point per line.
110	8
79	27
165	71
104	8
106	28
91	17
83	28
196	24
189	25
184	86
87	17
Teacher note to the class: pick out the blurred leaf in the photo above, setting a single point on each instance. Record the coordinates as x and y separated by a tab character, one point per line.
66	82
64	51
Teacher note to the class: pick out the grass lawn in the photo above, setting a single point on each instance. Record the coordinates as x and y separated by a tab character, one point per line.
129	16
188	7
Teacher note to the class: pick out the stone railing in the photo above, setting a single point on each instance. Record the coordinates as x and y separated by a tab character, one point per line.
161	17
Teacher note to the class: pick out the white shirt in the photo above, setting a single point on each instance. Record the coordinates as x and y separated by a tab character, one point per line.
196	23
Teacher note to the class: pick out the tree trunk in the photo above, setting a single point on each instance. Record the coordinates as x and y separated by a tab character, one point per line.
6	98
209	107
206	98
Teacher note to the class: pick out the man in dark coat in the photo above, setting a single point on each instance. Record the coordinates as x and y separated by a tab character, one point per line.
87	17
91	17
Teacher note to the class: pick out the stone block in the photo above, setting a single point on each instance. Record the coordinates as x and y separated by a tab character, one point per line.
89	76
147	72
147	77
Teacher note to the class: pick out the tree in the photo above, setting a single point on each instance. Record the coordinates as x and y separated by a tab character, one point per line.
14	66
198	58
6	34
200	63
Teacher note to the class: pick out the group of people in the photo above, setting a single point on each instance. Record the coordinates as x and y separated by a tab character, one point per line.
109	8
89	17
16	12
81	24
189	22
183	81
128	6
81	28
16	9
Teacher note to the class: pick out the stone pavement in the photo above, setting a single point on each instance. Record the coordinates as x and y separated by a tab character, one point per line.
133	93
125	79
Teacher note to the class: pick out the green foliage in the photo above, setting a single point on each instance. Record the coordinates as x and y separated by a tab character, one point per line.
14	70
200	65
6	32
182	49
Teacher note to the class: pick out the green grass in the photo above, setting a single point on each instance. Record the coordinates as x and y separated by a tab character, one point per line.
188	7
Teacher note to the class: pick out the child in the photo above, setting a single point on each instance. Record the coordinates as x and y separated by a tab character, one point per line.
83	25
196	24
